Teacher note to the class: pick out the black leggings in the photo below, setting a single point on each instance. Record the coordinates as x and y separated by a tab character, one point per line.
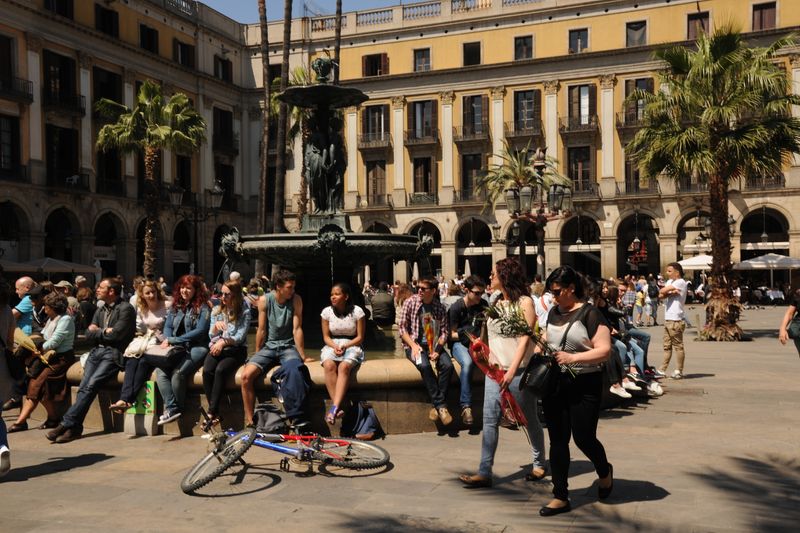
574	410
216	370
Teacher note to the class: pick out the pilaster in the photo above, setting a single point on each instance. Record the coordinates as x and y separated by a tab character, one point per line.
668	248
551	89
446	193
398	184
607	83
449	260
498	133
87	144
351	178
34	45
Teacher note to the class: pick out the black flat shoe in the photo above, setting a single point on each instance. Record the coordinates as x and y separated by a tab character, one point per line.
552	511
604	493
49	424
530	476
23	426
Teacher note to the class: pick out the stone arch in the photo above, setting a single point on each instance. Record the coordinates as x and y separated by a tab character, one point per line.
109	242
692	234
62	235
580	244
764	229
15	229
638	248
474	245
432	265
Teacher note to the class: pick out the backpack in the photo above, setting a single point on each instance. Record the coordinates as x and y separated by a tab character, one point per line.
652	290
269	419
361	422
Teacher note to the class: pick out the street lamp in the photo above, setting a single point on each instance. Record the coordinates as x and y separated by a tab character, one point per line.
194	213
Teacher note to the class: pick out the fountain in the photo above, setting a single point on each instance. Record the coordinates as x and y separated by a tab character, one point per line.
326	250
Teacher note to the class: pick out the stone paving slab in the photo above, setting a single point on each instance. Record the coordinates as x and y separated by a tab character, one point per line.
720	451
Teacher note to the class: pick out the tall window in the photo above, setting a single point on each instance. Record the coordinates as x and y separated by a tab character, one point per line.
475	117
9	144
634	111
424	181
471	168
223	69
422	60
376	179
59	77
148	38
183	174
764	16
106	20
523	47
61	148
106	85
109	166
578	40
527	109
633	183
6	61
582	104
375	65
375	122
60	7
697	23
422	118
472	54
224	176
636	33
183	53
580	167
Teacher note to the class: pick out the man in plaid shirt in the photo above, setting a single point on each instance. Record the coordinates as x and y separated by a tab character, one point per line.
423	322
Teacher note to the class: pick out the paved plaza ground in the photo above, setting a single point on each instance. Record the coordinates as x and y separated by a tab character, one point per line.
720	451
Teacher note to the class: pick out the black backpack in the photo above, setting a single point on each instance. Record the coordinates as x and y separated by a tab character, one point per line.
652	290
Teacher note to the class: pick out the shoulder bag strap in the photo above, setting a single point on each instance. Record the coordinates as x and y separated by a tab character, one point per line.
578	316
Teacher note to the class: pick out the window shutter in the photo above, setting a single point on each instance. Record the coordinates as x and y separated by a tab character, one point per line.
175	49
410	113
537	104
115	24
630	107
466	112
484	110
434	188
434	118
385	64
592	101
385	111
363	66
364	122
650	85
574	102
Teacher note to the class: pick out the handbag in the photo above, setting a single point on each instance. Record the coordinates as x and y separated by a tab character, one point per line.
540	376
139	345
160	357
793	330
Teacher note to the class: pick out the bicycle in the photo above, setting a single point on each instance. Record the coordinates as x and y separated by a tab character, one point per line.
228	447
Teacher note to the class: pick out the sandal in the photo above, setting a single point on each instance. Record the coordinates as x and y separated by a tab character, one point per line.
120	407
330	416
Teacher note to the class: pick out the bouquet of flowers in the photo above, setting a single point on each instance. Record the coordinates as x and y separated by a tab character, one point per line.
479	352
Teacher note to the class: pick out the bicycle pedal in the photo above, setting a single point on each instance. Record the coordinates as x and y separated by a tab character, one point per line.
285	464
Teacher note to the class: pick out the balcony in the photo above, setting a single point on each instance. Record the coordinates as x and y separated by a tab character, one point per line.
686	185
185	8
16	89
630	120
423	198
469	196
584	190
73	182
643	187
421	137
74	104
471	133
523	129
112	187
225	143
17	173
375	201
762	183
378	140
582	124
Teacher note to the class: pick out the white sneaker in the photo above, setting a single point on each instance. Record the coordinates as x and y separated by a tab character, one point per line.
630	385
168	417
5	460
619	391
677	374
654	389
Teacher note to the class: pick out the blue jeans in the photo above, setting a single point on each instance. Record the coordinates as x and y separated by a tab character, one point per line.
102	364
492	412
436	385
172	384
643	340
3	431
461	354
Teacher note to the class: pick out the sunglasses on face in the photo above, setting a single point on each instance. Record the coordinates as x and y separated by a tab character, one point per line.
556	292
424	288
477	293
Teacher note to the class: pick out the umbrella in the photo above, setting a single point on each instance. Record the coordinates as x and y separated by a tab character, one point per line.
467	268
415	271
48	265
698	262
11	266
769	262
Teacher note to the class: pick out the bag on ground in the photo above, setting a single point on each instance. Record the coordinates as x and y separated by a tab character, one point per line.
269	419
361	421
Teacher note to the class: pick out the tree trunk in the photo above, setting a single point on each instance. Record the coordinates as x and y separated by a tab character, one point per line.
152	157
302	207
337	45
722	310
280	170
264	201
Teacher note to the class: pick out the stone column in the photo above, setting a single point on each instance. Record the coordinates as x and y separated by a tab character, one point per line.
87	144
551	116
552	254
608	187
351	178
398	121
668	249
36	163
449	259
206	171
446	194
793	176
608	256
401	271
238	170
498	134
129	171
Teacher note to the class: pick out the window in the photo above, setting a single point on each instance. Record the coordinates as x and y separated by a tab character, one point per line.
9	144
580	168
6	62
764	16
375	122
634	111
527	109
422	119
475	114
109	166
697	23
224	175
633	183
424	181
106	84
223	136
471	168
523	47
60	7
582	104
183	174
274	72
59	77
106	20
422	60
61	149
376	180
578	40
223	69
636	33
375	65
148	38
183	53
472	54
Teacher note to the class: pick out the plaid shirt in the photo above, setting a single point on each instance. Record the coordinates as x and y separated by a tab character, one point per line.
409	319
629	298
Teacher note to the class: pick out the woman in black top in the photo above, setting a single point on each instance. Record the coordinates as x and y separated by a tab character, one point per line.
575	408
791	311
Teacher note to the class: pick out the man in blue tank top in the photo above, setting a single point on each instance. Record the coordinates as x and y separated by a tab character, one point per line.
279	340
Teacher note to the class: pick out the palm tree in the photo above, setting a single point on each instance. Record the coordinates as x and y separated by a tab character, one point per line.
154	124
263	204
280	160
726	115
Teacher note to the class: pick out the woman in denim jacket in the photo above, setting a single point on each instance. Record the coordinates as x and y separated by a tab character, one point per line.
187	326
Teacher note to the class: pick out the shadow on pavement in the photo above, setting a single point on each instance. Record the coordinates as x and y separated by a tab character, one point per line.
246	480
698	376
55	465
767	489
750	334
632	490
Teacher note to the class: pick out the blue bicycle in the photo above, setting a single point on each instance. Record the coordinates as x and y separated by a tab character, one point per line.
228	447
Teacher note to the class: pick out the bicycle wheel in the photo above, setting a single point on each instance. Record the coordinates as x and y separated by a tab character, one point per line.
217	461
349	453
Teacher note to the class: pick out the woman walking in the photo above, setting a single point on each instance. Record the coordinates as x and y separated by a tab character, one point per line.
791	312
579	335
512	354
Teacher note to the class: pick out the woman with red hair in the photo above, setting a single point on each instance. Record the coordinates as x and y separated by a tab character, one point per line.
186	325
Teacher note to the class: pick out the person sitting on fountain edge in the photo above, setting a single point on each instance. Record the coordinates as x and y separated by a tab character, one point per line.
424	330
279	340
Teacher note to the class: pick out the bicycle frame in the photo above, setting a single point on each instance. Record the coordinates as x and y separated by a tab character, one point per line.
268	442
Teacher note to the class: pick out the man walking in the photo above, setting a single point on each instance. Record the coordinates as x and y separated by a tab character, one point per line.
674	292
424	330
280	341
112	329
464	317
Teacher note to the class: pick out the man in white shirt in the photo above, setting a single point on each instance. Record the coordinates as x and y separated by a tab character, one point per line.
674	292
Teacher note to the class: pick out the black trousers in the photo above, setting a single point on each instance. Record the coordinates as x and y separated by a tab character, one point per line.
216	370
573	411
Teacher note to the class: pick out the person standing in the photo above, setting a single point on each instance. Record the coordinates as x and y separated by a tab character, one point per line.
791	313
424	330
674	292
464	317
652	292
112	329
581	338
7	326
383	311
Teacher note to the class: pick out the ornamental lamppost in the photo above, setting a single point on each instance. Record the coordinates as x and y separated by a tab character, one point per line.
194	213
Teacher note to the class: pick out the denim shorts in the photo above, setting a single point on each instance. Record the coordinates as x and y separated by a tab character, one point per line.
266	358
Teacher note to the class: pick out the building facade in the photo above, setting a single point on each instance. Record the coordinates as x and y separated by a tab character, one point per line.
450	82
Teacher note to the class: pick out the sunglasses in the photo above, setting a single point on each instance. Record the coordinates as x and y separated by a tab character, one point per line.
478	293
556	292
424	288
